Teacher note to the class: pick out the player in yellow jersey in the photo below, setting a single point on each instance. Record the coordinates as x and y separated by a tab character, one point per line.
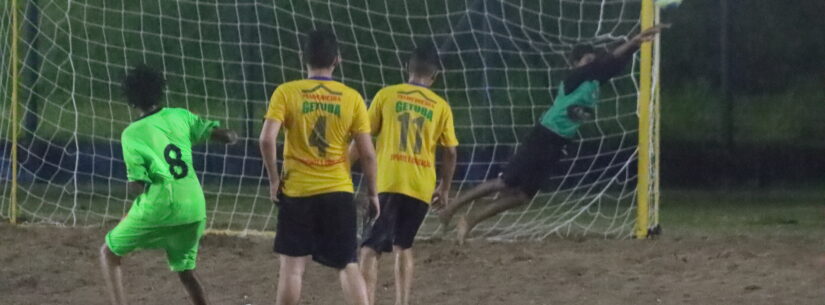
409	121
317	214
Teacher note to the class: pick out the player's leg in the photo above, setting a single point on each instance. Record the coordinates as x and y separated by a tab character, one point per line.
127	236
369	270
353	285
290	278
483	189
193	287
404	271
182	244
509	199
112	275
337	243
378	240
532	164
410	217
294	242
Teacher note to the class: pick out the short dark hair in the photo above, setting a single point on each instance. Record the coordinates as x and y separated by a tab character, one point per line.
580	51
320	49
424	60
143	87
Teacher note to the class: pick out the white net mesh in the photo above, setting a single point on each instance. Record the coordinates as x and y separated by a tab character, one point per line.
222	60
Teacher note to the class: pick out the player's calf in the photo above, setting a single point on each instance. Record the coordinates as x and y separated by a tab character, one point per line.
404	274
193	287
112	276
445	215
510	198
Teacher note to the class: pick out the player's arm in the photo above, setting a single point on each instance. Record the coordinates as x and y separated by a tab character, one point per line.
369	167
449	155
354	154
135	187
630	47
274	118
137	168
224	135
374	114
269	152
611	64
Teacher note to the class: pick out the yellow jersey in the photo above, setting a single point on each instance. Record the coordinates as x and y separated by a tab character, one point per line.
319	117
409	121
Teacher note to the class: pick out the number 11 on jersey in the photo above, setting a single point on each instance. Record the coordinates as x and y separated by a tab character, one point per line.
404	119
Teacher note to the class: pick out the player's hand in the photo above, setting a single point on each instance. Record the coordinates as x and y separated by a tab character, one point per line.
373	208
650	33
274	190
580	113
232	138
441	197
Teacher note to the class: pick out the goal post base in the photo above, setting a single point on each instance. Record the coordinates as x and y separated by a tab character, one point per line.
652	233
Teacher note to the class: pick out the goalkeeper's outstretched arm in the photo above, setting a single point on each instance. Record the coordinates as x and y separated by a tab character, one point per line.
630	47
604	67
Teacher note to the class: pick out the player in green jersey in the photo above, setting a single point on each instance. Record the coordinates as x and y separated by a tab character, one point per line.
543	146
170	212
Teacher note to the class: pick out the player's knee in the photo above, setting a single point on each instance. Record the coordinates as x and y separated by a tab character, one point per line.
293	266
522	196
499	184
107	254
406	254
186	276
368	252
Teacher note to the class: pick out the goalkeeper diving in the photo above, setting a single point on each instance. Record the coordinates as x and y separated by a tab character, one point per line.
543	146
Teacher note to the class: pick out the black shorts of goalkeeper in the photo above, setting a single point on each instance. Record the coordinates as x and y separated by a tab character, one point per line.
534	160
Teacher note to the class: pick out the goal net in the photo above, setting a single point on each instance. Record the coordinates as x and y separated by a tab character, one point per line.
503	62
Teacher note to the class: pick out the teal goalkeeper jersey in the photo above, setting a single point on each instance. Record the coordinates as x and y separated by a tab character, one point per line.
558	119
157	150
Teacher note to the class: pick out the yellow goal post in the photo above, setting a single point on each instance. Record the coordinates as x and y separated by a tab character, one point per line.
647	193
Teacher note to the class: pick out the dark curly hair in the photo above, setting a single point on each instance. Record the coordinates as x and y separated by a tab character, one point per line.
143	87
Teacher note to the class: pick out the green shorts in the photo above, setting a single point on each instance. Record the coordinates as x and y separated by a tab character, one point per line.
180	241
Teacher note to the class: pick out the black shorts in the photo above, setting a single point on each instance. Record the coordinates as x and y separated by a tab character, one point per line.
324	226
400	218
534	160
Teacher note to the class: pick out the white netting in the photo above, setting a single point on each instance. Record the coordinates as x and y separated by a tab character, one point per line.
222	60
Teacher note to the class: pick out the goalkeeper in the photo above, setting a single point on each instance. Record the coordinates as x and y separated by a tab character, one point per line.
170	212
543	146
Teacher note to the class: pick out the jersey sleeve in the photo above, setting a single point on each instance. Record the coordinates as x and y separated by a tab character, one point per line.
375	112
277	105
360	118
136	164
200	129
448	137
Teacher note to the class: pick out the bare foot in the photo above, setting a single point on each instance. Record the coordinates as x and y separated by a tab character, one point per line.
462	229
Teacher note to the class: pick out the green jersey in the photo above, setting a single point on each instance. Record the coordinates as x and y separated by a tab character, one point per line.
558	118
157	150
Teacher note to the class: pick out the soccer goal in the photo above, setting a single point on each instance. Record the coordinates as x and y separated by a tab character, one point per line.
63	112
